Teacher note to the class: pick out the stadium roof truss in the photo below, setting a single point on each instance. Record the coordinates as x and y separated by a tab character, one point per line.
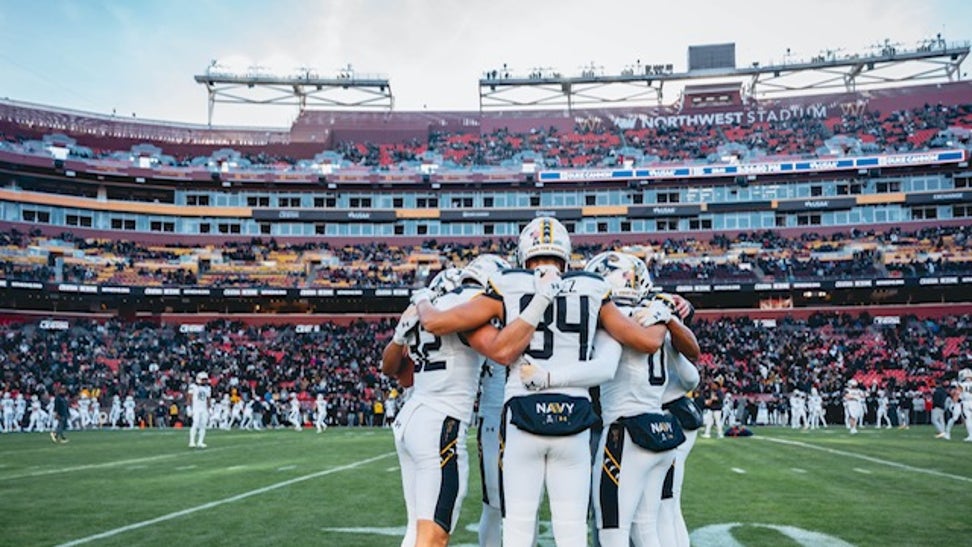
301	91
848	73
886	66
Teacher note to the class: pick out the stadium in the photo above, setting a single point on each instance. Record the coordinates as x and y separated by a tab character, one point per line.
822	232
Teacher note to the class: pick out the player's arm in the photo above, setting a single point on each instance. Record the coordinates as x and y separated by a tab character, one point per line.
600	369
393	359
393	356
687	375
683	340
628	332
464	317
503	346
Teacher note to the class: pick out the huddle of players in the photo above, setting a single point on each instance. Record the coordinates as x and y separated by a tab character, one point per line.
548	336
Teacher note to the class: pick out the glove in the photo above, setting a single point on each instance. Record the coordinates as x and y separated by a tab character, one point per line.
406	322
668	299
656	312
534	377
419	295
189	411
547	283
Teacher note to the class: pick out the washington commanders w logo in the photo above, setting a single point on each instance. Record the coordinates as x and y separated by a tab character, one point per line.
589	123
855	108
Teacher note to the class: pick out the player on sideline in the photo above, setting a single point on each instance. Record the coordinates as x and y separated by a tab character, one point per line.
129	406
545	432
631	462
320	413
853	405
430	429
114	414
293	416
965	385
7	405
815	409
882	409
197	399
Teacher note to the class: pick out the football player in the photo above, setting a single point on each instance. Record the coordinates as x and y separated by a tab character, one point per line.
129	406
430	429
36	414
320	413
114	413
197	400
492	381
20	408
965	396
882	409
7	405
84	409
293	416
636	449
95	413
853	405
798	410
815	409
545	432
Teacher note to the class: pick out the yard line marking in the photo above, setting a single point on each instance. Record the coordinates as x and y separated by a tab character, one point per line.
185	467
135	467
231	499
737	470
287	468
89	466
236	468
798	470
390	469
862	471
869	459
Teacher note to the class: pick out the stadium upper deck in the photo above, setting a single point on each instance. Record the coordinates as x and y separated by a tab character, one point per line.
821	163
905	118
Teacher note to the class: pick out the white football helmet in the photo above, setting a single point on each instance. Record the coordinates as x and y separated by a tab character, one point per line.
445	281
965	374
628	276
852	383
202	377
544	236
482	267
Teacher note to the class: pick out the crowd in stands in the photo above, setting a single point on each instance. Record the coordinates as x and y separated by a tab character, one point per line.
748	257
155	364
590	145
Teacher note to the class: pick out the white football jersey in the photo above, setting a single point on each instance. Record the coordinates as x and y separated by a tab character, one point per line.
446	367
200	397
639	385
566	332
966	396
8	405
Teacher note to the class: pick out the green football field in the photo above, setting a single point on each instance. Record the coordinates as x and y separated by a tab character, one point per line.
342	488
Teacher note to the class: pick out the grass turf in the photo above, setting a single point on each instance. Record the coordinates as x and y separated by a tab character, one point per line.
342	487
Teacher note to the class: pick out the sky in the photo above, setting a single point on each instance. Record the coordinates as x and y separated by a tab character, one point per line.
140	56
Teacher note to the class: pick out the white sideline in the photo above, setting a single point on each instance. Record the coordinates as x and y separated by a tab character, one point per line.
869	459
217	503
